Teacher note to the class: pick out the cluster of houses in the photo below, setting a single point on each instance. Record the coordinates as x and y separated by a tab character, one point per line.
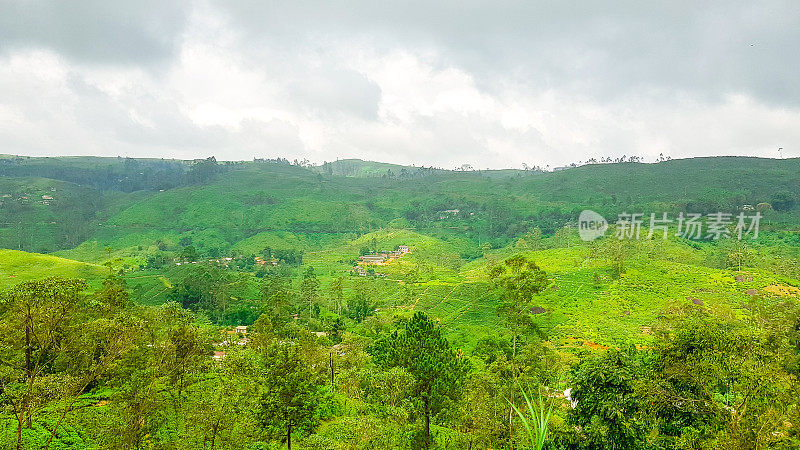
378	258
270	262
238	336
240	332
225	261
46	198
221	261
362	272
449	213
383	257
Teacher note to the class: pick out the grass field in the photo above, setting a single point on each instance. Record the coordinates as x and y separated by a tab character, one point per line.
17	267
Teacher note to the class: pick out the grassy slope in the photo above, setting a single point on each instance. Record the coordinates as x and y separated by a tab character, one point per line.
287	204
17	267
43	224
659	276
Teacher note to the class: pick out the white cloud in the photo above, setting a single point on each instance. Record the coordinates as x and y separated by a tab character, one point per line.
426	88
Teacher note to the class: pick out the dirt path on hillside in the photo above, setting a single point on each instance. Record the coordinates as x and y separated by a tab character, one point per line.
419	298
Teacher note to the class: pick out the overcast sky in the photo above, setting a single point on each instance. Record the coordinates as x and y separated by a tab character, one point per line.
492	84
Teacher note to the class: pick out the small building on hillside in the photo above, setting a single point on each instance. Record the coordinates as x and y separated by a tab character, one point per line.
448	213
373	259
241	329
384	256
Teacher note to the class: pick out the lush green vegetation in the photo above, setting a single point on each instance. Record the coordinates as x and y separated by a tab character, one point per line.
17	267
500	328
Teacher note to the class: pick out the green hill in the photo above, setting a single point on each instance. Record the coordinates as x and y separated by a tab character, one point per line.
585	301
17	267
702	183
273	199
362	169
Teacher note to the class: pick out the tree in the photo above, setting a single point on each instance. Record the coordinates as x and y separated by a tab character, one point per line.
291	396
439	370
359	306
136	405
783	201
185	351
336	290
532	240
203	171
54	345
225	402
336	329
617	250
309	288
731	254
35	317
390	389
204	287
190	293
484	407
189	254
114	292
516	280
276	299
609	409
727	384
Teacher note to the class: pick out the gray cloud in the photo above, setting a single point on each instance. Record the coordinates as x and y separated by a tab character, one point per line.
96	31
333	92
427	82
592	48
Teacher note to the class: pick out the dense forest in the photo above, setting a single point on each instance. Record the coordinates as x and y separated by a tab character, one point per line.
234	305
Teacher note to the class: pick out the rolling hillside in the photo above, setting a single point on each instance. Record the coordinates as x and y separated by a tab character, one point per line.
245	199
17	267
457	223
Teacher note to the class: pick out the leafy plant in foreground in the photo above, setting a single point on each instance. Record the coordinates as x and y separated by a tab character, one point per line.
540	418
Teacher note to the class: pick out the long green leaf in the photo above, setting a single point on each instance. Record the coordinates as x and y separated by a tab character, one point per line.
541	418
